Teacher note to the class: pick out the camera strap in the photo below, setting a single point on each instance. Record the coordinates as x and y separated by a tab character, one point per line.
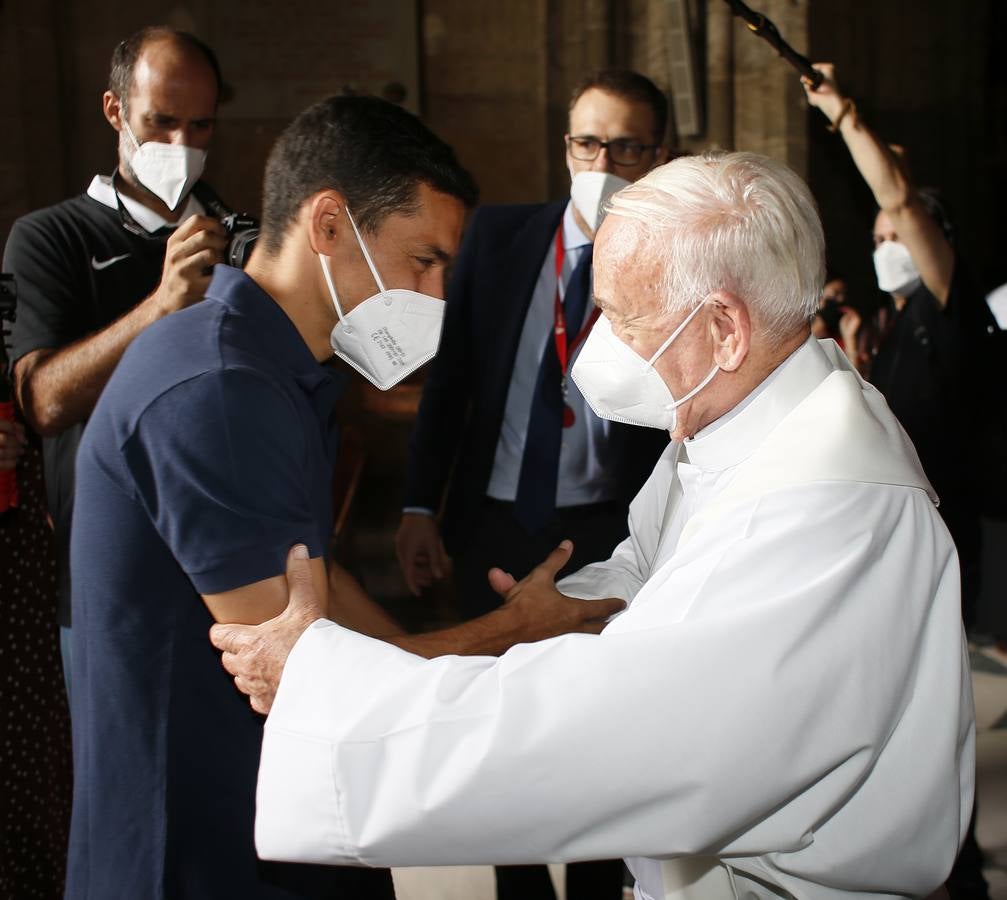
214	206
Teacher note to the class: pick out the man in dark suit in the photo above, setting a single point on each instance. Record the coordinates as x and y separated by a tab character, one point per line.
522	458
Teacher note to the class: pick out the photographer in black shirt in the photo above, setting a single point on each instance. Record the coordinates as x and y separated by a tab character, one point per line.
95	270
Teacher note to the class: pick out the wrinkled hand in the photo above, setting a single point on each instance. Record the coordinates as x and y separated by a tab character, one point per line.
12	443
827	97
541	610
256	654
420	550
192	251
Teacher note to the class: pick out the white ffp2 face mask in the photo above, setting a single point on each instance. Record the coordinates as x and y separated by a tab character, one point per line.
166	170
621	385
589	192
390	334
897	273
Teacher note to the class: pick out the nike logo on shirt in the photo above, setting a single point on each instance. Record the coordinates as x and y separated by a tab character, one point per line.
105	263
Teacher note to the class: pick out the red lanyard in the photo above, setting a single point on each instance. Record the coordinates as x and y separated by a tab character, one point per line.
563	350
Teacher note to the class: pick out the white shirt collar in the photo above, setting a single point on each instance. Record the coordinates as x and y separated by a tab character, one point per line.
573	237
735	435
101	189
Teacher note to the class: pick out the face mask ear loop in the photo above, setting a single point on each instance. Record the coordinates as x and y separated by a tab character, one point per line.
323	261
130	135
367	256
697	388
674	335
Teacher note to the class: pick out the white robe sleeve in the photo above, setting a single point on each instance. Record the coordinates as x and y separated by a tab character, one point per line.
625	572
792	680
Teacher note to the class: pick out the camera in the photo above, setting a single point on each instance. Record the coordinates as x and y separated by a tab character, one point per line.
242	232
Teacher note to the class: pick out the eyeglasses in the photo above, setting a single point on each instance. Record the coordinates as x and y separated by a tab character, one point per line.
621	151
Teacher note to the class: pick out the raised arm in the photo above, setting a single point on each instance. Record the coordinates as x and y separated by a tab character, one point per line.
888	178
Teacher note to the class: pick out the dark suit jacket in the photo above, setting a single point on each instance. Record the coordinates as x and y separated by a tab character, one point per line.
465	392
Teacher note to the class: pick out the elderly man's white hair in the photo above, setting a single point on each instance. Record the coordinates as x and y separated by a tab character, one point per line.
736	222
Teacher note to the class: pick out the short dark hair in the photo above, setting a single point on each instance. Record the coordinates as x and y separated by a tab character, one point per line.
376	154
631	86
127	52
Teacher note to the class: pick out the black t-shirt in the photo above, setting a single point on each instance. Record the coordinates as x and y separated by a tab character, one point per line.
78	270
927	368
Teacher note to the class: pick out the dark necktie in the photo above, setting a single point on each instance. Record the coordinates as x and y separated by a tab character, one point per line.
535	502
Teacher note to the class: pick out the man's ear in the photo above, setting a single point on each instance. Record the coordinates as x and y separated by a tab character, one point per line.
731	330
111	106
326	214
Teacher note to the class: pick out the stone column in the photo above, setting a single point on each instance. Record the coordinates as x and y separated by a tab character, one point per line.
770	113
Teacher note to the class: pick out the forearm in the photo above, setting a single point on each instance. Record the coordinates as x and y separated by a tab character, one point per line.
351	606
875	161
888	178
59	388
489	635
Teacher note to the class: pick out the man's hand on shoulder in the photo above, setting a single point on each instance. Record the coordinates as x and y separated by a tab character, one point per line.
541	611
256	654
196	246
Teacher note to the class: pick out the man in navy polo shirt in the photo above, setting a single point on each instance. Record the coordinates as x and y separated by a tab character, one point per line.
207	457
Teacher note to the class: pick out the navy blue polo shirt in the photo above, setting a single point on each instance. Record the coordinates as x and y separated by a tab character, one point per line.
208	455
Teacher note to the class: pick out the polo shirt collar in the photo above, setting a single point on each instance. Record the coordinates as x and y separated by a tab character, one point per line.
239	292
102	190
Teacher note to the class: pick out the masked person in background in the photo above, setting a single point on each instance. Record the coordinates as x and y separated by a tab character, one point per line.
783	711
94	271
925	363
532	464
930	358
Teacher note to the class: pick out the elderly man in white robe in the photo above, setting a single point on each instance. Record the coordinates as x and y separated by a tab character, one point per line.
784	708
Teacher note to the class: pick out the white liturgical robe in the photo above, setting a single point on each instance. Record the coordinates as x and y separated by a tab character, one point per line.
787	693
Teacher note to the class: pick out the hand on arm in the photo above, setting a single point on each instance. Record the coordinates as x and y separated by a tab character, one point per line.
59	388
886	175
420	550
255	654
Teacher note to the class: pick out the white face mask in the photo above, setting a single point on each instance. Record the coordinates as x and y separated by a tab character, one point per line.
897	273
622	386
590	190
166	170
390	334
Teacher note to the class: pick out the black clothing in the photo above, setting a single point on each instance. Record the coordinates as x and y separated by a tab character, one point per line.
77	271
929	367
